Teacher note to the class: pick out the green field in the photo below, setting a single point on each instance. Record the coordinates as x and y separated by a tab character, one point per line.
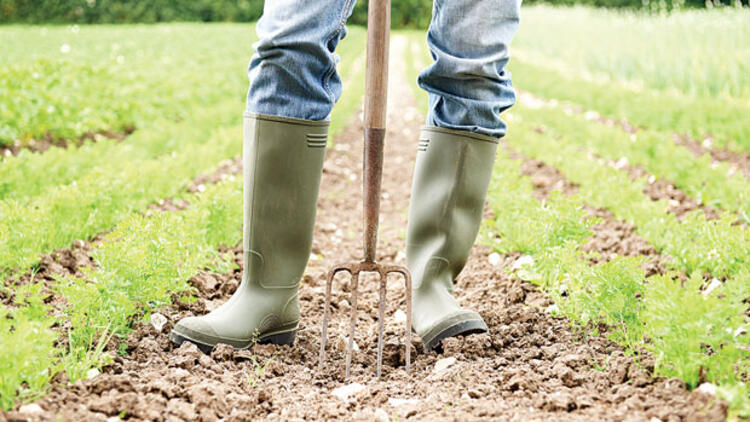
180	90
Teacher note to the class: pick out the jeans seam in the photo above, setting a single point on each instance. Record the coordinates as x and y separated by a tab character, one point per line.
327	76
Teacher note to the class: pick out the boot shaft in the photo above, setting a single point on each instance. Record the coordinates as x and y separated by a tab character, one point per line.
283	163
451	178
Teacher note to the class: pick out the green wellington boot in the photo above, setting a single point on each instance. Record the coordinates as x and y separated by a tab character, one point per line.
451	177
283	163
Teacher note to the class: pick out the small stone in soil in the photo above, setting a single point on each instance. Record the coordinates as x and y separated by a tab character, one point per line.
443	364
399	316
400	402
522	261
381	415
707	388
713	285
346	391
494	259
30	409
343	343
157	321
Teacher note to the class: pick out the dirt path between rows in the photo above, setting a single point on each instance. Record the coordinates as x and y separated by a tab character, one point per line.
530	366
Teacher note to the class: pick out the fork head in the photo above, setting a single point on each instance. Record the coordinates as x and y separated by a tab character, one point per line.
354	269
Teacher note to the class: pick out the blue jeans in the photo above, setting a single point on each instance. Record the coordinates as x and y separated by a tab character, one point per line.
293	70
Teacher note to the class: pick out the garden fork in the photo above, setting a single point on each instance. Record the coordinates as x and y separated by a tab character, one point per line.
378	34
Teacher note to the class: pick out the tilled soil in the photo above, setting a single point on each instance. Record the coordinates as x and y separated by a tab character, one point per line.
530	366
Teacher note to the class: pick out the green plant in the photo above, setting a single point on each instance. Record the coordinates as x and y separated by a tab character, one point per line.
256	372
29	354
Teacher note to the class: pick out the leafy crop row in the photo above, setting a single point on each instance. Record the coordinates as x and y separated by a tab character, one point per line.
722	119
106	196
695	243
20	176
694	336
714	184
140	264
677	323
63	82
90	189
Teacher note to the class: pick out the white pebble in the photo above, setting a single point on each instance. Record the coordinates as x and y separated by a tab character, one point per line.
30	409
523	261
399	316
494	259
399	402
158	320
552	309
346	391
713	285
381	415
739	331
707	388
443	364
92	373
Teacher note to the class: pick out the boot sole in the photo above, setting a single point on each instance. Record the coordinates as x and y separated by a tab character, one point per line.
462	328
281	339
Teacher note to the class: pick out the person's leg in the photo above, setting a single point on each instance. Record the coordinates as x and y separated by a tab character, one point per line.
468	88
293	88
467	83
293	70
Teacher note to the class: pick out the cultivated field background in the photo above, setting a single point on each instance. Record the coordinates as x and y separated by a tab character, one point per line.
619	209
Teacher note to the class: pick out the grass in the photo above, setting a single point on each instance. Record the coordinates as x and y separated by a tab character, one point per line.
701	53
87	190
63	82
635	67
713	184
722	120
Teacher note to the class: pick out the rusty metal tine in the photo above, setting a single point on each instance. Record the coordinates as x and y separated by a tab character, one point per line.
326	310
353	323
381	317
407	282
407	279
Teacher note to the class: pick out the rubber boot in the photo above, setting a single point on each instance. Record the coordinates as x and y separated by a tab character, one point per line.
451	178
283	163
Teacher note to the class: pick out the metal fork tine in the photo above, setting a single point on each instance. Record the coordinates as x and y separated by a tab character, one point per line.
326	310
407	281
355	269
353	323
381	316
